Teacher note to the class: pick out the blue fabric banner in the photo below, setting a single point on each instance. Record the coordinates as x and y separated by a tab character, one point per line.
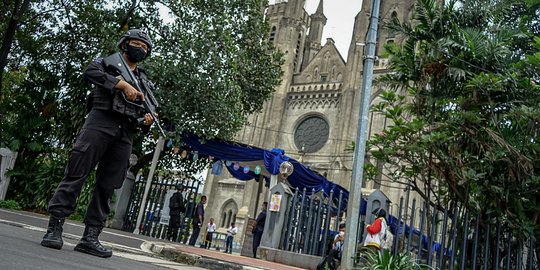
302	177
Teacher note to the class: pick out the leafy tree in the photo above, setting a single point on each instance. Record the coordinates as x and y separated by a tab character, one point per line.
44	101
212	66
463	103
215	65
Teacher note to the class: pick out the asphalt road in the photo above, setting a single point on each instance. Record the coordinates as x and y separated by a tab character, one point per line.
20	237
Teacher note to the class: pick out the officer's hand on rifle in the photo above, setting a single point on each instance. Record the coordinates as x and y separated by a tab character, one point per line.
130	92
148	120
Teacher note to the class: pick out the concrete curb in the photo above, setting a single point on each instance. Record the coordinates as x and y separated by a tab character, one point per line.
170	252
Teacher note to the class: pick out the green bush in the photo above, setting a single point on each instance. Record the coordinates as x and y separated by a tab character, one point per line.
48	175
10	204
383	260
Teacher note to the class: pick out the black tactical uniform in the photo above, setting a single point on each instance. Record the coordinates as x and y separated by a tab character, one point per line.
176	210
105	140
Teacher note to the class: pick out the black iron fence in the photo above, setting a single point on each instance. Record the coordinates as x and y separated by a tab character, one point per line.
152	223
454	238
442	238
311	222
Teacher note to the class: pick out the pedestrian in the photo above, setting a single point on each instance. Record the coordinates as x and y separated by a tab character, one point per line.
376	232
105	140
210	229
198	218
231	232
176	209
258	228
333	258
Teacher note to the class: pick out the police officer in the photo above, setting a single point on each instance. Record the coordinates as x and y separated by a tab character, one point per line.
176	209
105	140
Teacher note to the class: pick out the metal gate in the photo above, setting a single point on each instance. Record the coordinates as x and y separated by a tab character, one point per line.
150	224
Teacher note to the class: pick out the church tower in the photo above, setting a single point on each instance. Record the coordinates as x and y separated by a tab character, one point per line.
232	199
400	9
313	41
289	24
313	113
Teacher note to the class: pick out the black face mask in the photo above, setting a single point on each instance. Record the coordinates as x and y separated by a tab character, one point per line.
135	54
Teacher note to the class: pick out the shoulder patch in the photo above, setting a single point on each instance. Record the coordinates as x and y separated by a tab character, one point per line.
98	60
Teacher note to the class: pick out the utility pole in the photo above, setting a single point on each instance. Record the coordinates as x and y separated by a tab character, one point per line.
157	152
355	194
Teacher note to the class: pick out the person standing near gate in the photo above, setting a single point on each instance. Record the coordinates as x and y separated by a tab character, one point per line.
231	232
105	140
210	229
198	218
376	232
258	228
333	259
177	208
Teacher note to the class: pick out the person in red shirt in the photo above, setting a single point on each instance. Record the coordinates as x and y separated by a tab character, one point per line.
376	232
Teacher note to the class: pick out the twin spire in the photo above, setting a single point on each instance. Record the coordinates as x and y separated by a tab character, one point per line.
320	8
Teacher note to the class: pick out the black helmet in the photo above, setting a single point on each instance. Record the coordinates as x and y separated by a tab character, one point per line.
135	34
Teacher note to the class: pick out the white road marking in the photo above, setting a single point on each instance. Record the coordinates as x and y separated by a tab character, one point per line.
137	256
70	223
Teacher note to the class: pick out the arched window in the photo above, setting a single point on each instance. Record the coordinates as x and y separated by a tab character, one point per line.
393	17
272	34
297	52
223	219
228	213
229	217
326	62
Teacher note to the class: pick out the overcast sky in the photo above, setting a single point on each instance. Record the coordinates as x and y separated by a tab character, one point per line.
340	15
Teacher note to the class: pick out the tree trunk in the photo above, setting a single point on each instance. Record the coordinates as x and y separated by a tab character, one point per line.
124	21
7	39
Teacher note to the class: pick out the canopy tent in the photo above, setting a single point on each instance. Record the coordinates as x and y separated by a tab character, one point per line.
269	161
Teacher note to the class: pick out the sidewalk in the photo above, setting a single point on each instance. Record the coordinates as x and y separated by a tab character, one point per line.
210	259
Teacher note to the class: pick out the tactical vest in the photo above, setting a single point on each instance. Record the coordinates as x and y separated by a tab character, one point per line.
103	99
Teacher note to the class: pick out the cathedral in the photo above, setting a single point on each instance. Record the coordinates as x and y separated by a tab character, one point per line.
313	113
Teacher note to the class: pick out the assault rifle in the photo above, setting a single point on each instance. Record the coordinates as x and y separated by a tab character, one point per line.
133	108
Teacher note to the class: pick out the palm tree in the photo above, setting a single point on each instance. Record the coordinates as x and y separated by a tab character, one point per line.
462	108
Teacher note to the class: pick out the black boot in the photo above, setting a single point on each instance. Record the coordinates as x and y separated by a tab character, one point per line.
90	244
53	237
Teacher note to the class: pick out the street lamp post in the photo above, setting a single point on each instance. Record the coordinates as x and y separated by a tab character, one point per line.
159	147
355	195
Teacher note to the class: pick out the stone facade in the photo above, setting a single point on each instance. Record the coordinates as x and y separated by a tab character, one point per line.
313	114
